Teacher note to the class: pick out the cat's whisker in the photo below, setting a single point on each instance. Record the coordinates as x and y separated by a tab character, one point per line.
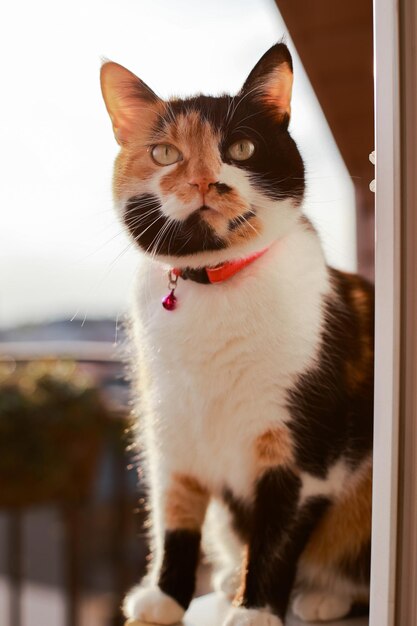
248	222
252	130
229	106
136	219
175	230
138	237
242	98
170	229
121	254
170	110
247	117
154	246
133	211
131	205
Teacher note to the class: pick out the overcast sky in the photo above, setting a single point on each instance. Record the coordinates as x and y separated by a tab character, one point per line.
62	252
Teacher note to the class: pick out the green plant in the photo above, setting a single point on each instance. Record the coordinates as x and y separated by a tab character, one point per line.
53	421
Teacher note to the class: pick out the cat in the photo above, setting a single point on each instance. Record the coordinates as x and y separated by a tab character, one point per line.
254	358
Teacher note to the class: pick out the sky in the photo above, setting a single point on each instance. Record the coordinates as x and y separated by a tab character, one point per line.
63	254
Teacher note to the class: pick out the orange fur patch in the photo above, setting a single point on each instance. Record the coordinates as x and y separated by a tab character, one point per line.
345	528
186	503
231	204
199	145
130	166
247	231
129	102
359	369
244	571
274	448
276	90
134	163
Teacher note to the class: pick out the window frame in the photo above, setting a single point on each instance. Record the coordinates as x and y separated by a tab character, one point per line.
387	313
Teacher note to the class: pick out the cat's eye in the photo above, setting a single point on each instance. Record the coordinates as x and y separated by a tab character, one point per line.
241	150
165	154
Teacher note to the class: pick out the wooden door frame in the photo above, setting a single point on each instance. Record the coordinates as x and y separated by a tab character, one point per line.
394	539
406	578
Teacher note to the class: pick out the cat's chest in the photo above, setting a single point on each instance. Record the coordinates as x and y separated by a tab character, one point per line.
220	365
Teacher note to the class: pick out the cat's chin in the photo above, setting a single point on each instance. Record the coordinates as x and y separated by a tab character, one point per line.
211	258
275	225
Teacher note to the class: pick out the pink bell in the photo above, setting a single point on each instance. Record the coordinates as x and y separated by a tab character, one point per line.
170	301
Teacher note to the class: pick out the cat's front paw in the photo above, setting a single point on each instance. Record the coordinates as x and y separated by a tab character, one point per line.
239	616
319	606
152	606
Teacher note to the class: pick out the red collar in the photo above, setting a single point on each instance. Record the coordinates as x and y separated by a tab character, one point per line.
218	273
205	275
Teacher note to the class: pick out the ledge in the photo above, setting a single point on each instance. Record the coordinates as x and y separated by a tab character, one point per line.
210	610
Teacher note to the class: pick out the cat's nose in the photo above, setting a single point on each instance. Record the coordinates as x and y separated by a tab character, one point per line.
203	183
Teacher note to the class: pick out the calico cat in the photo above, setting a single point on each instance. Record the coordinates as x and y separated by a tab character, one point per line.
254	358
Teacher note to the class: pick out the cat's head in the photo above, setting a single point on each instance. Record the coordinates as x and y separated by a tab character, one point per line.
205	179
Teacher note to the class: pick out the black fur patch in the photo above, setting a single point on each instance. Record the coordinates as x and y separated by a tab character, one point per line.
273	58
222	188
197	275
274	510
151	229
329	420
178	572
285	565
242	514
276	531
240	220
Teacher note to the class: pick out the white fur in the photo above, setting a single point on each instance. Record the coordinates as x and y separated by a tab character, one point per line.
239	616
317	606
214	373
331	485
328	582
313	575
218	367
237	178
152	606
223	548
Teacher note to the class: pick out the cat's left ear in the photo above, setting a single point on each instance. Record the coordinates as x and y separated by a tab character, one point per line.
131	104
271	80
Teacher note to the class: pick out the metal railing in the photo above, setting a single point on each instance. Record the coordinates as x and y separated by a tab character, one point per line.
102	551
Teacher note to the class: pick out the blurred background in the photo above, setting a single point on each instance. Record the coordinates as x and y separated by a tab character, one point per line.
72	536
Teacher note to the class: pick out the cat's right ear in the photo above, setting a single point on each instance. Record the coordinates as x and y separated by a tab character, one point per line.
130	103
270	81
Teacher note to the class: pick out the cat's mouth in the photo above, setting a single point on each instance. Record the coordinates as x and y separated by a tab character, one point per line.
215	219
222	224
206	208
